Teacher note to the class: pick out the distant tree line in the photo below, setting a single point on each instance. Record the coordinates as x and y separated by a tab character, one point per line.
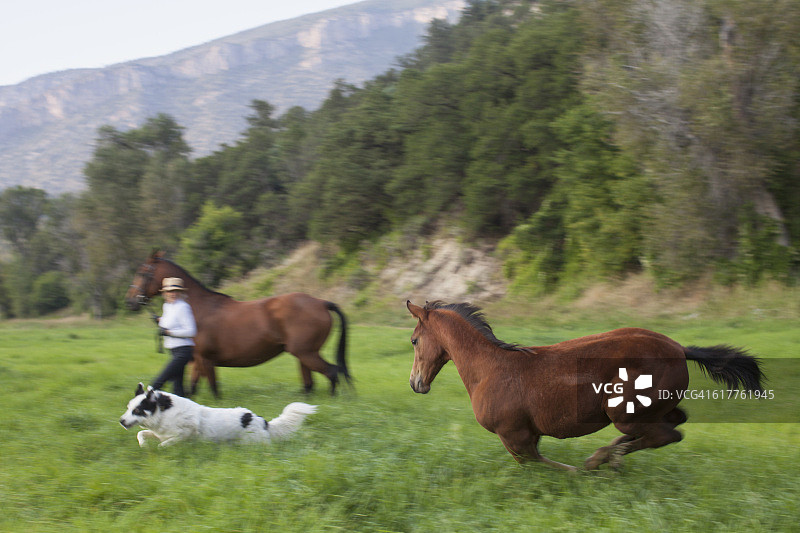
590	138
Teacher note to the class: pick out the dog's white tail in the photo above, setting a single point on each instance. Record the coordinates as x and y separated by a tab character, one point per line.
290	420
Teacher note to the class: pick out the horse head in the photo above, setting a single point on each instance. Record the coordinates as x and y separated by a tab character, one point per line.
429	354
146	282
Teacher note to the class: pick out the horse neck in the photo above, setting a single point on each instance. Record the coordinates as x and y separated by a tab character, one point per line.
474	356
201	299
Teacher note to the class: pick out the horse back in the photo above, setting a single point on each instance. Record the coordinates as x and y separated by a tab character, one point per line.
296	320
245	333
618	342
602	354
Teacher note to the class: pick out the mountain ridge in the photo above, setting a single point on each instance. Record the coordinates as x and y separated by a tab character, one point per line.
48	124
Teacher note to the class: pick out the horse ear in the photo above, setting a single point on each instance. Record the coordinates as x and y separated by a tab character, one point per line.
150	392
156	253
417	311
139	389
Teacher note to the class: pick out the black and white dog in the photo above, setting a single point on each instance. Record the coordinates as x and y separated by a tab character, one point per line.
170	418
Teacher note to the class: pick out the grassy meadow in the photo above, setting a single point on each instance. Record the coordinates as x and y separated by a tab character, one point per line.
374	458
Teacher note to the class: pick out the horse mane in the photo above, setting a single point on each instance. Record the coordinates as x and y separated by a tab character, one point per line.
189	276
475	318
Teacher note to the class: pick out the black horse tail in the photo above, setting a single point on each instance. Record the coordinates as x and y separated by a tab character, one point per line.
340	354
729	365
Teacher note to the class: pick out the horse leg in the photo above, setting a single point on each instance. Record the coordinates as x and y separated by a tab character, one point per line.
524	446
673	418
637	437
308	378
312	361
195	378
603	454
212	379
654	436
204	368
676	417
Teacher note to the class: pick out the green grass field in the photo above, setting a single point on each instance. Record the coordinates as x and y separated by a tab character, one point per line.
377	458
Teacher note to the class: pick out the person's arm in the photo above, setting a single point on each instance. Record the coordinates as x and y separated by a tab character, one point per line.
186	328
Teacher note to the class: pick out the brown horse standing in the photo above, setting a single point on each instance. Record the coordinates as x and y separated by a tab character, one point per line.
572	388
231	333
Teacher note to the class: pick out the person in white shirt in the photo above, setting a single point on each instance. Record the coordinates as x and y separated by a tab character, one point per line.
178	327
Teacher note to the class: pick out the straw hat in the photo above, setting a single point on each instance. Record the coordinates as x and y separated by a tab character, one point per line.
172	284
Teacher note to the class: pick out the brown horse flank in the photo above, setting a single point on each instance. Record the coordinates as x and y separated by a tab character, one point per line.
572	388
231	333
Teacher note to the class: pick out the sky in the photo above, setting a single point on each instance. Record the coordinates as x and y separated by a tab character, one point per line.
41	36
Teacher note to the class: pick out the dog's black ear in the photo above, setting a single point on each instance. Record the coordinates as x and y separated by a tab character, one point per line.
164	401
139	389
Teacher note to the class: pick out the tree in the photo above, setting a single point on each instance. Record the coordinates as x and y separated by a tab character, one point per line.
136	182
604	195
18	279
164	184
6	304
705	95
592	221
248	170
356	159
436	142
294	145
211	248
21	209
519	84
49	293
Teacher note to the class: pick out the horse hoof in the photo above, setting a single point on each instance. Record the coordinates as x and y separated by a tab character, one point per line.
615	460
591	463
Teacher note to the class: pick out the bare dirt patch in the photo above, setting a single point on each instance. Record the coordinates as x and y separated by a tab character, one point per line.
445	270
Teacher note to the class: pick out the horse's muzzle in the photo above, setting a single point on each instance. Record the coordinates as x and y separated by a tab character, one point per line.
418	386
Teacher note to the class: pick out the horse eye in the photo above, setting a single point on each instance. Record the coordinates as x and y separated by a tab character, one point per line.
414	341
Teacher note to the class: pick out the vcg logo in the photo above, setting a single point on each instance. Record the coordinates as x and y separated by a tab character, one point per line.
645	381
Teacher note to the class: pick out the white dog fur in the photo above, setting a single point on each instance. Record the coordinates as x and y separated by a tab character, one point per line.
171	418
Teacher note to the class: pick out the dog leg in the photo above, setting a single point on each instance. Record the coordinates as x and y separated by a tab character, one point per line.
142	436
170	441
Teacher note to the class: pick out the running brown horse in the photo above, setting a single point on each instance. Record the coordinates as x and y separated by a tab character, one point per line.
231	333
572	388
